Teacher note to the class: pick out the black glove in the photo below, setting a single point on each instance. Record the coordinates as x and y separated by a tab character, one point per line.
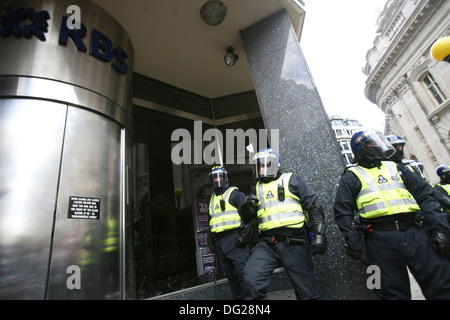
319	241
251	199
441	243
249	234
247	211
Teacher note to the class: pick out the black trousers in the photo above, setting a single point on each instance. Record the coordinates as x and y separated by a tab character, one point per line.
297	262
232	260
394	251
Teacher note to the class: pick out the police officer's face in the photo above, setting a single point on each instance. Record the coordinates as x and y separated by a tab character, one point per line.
263	167
373	145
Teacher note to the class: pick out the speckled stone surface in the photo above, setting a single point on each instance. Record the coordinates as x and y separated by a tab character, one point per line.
289	101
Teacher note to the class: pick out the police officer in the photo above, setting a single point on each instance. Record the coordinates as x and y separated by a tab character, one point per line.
399	144
387	196
225	224
399	157
442	188
281	201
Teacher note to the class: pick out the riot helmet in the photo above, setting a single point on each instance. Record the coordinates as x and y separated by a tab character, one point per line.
398	143
416	166
267	163
371	144
219	177
443	171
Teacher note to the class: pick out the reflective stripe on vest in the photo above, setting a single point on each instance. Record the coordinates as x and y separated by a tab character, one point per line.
383	192
273	213
228	219
446	187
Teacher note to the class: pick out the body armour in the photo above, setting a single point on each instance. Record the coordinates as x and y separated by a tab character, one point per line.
383	192
223	217
274	212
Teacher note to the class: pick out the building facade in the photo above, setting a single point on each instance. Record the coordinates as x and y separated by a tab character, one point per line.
344	128
411	87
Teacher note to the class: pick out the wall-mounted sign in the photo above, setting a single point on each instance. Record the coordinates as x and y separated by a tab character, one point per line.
83	208
28	23
202	210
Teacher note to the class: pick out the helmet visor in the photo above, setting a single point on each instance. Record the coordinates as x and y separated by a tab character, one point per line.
419	167
376	145
266	166
219	179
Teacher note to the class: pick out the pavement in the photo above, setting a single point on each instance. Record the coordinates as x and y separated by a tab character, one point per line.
416	293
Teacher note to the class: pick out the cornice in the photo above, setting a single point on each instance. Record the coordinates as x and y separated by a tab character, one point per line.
395	93
400	42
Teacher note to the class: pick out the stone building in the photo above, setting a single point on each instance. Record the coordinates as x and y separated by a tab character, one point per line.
344	128
411	87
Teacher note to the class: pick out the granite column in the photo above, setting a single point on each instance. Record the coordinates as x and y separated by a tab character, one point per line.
289	101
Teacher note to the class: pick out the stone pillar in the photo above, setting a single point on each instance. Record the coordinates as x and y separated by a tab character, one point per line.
289	101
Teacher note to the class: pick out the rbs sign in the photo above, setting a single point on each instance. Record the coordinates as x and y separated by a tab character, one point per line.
100	47
28	23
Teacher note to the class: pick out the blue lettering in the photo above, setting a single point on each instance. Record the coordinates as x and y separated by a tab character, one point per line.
75	34
28	23
120	65
100	46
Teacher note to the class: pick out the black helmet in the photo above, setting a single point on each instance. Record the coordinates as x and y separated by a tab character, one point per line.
443	171
398	143
371	144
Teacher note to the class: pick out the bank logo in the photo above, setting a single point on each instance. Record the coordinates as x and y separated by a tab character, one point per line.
34	23
28	23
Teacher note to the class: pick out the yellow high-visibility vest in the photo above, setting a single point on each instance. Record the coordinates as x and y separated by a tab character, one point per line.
273	213
383	192
446	187
227	219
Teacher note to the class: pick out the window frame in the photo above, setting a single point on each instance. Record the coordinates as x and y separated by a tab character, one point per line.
433	88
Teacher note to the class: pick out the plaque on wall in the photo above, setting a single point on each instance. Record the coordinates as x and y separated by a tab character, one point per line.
84	208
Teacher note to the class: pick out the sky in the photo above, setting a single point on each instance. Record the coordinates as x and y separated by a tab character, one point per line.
335	39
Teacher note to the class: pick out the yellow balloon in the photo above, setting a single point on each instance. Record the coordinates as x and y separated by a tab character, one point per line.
441	49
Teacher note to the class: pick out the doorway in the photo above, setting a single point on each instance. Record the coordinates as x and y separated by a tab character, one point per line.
171	215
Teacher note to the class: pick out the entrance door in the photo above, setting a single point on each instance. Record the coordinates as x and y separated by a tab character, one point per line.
63	203
31	138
